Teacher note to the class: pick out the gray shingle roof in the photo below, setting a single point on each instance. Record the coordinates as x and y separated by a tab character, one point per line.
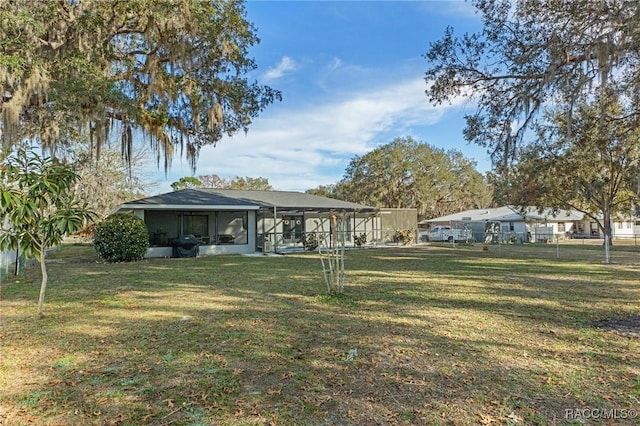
289	200
282	200
191	197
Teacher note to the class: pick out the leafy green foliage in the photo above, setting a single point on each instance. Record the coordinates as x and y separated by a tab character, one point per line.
410	174
39	202
175	71
529	54
39	207
121	237
238	182
186	182
215	181
329	191
249	183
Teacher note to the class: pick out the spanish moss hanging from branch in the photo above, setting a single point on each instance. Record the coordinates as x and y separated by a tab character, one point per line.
173	73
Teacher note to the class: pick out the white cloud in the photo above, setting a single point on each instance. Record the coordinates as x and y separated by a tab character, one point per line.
298	149
334	64
286	65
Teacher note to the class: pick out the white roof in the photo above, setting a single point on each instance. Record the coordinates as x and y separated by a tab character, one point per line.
508	214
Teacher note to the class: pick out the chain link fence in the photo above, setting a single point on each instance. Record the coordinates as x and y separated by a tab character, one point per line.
621	250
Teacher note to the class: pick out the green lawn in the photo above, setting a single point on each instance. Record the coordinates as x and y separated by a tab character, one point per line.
425	335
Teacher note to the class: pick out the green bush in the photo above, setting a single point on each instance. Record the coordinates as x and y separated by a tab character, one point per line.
310	241
404	236
121	237
360	240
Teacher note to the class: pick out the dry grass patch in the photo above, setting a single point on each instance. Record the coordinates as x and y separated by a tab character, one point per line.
423	336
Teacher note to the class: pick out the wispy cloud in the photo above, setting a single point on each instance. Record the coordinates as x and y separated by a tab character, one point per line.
298	149
349	84
457	8
285	66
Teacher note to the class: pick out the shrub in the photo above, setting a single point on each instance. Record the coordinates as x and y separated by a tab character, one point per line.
310	241
360	240
404	236
121	237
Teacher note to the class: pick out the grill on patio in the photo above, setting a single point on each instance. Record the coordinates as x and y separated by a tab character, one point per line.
185	246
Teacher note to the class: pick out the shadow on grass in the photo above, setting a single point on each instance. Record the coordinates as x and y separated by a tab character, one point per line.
233	340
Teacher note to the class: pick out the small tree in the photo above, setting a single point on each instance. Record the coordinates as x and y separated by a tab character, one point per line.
331	252
38	208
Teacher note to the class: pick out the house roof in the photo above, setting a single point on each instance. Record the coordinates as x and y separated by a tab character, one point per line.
508	214
189	199
208	198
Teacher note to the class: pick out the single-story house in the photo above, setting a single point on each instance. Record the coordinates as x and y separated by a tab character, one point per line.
7	262
508	223
228	221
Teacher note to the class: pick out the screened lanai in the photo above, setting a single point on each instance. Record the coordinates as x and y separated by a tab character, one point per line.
242	221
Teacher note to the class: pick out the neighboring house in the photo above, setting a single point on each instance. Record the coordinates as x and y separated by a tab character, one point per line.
508	223
622	227
7	257
239	221
7	263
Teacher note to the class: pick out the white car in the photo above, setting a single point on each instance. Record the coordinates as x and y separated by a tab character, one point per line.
447	233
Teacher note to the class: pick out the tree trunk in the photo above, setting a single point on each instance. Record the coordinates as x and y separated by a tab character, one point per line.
607	235
608	232
43	286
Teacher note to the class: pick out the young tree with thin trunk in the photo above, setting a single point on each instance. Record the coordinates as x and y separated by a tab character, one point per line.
331	247
38	208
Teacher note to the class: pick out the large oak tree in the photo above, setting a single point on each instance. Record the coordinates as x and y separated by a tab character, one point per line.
530	54
174	70
588	163
406	173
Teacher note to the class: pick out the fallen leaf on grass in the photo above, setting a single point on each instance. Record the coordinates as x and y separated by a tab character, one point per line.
487	419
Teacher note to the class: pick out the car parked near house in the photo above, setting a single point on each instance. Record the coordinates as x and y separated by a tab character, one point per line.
449	234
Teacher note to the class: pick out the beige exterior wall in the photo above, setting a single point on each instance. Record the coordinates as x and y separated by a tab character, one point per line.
392	220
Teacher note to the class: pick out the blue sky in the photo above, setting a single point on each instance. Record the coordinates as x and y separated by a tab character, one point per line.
352	78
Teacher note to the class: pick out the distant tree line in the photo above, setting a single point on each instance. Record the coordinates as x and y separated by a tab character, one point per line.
406	173
215	181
